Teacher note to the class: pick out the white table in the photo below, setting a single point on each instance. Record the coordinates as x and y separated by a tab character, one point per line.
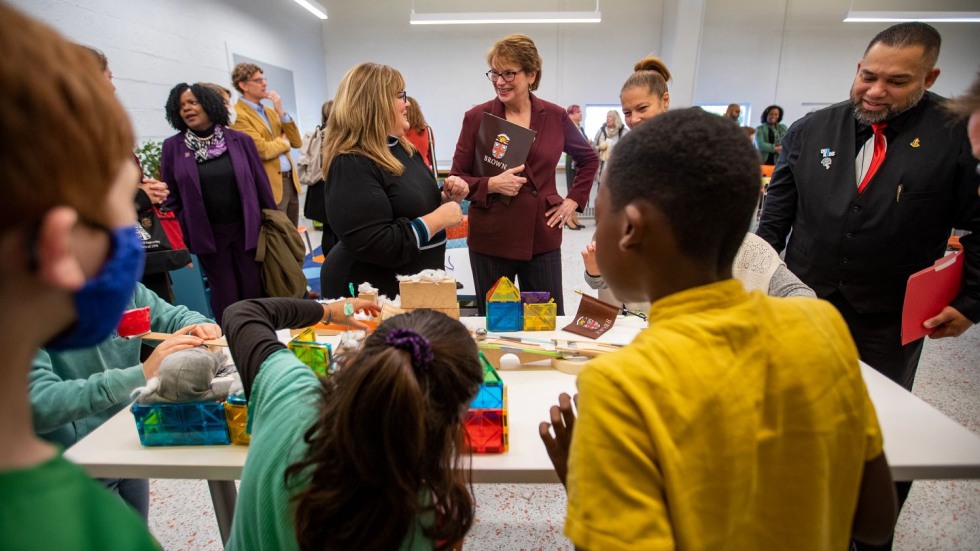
920	442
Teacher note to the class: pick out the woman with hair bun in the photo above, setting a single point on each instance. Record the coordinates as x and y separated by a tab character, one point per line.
757	265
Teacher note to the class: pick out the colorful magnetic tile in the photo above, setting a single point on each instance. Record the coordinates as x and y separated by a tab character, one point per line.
503	290
187	424
236	414
486	430
535	297
490	397
504	316
540	317
312	353
490	375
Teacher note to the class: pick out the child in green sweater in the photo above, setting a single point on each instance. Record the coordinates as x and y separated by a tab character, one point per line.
74	391
367	459
70	263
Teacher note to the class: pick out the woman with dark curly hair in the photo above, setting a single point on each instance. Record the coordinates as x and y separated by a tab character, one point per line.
769	135
218	188
368	459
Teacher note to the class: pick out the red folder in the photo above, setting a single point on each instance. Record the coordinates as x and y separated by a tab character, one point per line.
928	292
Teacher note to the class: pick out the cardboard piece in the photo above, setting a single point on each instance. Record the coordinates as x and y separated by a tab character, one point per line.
594	317
928	292
428	294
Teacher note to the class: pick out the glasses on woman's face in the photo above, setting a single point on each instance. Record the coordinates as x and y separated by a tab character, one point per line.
508	76
403	95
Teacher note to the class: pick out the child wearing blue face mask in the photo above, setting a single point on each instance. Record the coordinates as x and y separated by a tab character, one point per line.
69	266
74	390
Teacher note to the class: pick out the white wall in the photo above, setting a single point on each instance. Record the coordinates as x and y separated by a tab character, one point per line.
444	65
153	45
790	52
796	53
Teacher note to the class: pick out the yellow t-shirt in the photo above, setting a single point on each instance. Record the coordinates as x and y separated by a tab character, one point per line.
735	421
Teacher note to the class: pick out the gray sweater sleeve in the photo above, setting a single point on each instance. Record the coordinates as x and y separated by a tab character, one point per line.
784	283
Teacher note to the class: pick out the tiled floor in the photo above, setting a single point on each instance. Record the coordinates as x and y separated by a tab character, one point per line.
939	515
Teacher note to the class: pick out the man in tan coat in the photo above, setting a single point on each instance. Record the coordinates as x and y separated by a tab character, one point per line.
274	133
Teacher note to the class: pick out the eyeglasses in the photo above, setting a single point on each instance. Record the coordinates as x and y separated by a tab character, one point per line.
403	95
508	76
260	80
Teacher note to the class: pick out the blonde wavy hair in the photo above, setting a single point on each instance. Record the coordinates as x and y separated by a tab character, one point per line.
363	114
69	136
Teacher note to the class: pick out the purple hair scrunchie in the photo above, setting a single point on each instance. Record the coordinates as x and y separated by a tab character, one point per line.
414	344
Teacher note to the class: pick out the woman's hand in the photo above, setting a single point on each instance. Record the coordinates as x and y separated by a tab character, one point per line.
155	189
507	182
334	312
455	188
448	215
556	215
588	257
180	340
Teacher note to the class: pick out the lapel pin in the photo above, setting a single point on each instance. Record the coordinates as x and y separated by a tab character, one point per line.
915	143
826	154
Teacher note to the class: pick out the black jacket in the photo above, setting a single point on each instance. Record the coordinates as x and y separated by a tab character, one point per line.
866	246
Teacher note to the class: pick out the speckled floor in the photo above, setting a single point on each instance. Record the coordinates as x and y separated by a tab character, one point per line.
939	515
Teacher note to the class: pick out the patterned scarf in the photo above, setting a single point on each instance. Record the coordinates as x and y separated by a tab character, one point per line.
208	148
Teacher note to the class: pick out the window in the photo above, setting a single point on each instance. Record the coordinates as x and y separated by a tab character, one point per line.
595	118
745	119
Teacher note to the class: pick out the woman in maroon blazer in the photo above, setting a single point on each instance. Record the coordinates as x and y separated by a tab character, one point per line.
522	237
218	188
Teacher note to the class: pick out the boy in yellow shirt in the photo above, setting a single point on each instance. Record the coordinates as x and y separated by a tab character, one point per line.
735	420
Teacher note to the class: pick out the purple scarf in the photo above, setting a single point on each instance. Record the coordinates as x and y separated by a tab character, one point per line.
206	148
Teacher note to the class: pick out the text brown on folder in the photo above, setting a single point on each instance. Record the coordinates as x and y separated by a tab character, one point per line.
928	292
500	145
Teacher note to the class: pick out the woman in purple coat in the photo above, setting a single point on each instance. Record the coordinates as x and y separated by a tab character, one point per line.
218	189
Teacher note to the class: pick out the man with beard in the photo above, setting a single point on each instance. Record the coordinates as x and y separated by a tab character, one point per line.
871	188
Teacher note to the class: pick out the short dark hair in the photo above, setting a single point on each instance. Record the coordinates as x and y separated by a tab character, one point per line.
765	114
707	193
211	102
100	57
914	33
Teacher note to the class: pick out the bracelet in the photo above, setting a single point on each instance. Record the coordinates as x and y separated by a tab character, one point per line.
329	315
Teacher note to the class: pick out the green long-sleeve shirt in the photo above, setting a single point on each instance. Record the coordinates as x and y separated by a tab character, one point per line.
75	391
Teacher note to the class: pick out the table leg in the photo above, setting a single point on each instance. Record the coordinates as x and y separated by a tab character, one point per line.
223	496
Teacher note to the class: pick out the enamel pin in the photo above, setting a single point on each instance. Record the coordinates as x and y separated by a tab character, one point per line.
915	143
826	155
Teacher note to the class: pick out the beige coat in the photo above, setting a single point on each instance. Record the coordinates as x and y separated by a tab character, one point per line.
268	143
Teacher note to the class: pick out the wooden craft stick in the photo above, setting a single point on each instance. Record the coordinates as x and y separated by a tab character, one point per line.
154	336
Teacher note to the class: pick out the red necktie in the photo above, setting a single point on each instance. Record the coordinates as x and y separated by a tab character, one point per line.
878	156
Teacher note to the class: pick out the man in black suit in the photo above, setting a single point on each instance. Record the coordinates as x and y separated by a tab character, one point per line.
858	233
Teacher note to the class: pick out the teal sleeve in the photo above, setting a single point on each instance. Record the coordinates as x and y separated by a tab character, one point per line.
166	317
762	140
56	402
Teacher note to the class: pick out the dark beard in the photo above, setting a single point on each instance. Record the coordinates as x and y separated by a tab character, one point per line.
872	117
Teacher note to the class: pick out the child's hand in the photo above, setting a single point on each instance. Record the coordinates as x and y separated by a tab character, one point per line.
563	422
335	312
207	331
588	257
180	340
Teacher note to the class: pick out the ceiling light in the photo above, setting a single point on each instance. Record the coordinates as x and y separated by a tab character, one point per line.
924	16
314	7
478	18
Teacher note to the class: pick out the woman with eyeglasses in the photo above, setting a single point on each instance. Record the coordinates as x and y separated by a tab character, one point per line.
383	204
521	236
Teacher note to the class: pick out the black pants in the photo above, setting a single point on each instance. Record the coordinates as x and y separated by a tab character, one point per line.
541	273
879	342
